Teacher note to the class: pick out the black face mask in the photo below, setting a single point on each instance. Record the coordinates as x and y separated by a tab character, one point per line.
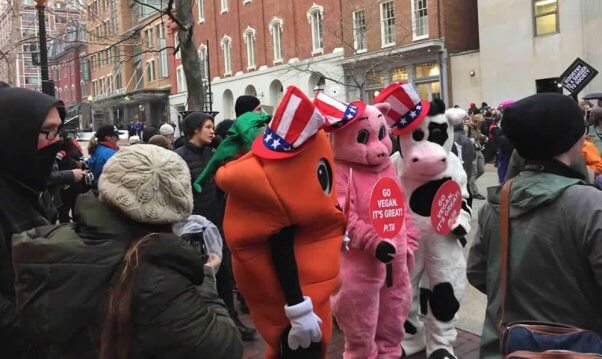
42	166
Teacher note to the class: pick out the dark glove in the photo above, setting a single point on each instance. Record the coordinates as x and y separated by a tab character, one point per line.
385	252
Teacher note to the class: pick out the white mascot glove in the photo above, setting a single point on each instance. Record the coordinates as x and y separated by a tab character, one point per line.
305	324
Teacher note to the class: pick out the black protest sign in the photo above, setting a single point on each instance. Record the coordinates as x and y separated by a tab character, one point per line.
577	76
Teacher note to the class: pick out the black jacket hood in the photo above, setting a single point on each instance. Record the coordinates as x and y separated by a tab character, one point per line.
22	113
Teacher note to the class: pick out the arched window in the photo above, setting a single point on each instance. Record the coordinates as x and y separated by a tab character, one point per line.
204	61
315	16
249	39
276	31
227	49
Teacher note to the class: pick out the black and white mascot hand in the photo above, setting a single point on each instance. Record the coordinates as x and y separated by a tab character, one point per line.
424	164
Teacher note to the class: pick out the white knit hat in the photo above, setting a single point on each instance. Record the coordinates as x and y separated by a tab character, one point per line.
166	129
149	184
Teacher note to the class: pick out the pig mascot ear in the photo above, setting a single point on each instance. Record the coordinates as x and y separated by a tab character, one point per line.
456	116
384	108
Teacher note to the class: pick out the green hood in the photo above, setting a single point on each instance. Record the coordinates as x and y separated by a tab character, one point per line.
531	190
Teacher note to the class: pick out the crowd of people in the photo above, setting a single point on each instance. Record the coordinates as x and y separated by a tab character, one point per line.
128	273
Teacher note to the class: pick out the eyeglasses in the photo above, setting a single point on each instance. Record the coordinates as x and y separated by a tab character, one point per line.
51	135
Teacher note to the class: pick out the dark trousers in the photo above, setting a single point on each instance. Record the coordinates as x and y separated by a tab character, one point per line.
225	280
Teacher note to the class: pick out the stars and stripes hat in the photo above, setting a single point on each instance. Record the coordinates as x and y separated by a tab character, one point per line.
294	124
407	109
338	114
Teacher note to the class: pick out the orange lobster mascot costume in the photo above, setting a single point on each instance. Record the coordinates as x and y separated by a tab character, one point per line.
285	229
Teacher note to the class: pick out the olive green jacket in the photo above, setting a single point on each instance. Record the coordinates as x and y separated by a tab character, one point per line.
555	255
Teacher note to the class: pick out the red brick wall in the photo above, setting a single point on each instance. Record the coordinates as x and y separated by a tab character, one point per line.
461	23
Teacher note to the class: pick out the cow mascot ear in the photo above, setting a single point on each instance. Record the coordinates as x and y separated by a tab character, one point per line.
437	107
456	116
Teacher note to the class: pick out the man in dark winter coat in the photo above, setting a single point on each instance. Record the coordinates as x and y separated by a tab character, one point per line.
29	124
555	226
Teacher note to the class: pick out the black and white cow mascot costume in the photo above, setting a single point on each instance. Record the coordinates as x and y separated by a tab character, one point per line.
424	165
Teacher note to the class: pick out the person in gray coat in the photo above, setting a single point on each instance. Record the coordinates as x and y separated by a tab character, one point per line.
555	241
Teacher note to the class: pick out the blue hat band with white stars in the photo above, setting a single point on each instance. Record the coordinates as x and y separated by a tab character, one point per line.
273	142
409	117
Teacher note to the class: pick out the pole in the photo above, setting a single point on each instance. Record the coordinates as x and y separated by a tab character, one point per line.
210	97
47	84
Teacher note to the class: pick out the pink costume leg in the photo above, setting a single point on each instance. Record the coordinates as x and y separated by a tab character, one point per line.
355	304
395	305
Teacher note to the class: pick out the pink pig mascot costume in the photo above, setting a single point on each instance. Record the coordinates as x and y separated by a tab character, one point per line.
370	314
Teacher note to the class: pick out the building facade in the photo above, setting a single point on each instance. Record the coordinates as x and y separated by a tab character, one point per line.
128	63
259	47
525	46
347	48
19	52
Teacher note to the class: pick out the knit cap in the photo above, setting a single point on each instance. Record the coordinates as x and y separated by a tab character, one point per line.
147	183
543	126
166	129
244	104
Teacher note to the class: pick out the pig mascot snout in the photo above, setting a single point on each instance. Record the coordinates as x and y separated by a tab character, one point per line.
369	311
424	165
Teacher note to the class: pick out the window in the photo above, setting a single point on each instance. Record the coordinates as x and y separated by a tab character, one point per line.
315	17
249	38
201	10
181	79
546	17
224	5
387	29
149	38
427	70
118	84
276	31
399	74
32	80
420	20
176	45
83	88
160	31
359	31
151	71
227	49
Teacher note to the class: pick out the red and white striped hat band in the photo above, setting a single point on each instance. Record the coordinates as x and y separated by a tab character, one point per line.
295	122
407	109
338	114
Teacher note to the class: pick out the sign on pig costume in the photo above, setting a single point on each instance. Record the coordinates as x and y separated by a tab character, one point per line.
370	311
424	166
285	229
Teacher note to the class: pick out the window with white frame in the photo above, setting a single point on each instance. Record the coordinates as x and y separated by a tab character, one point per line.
227	49
315	15
151	74
204	61
249	39
149	38
276	31
359	31
224	5
201	10
176	44
420	19
181	79
387	26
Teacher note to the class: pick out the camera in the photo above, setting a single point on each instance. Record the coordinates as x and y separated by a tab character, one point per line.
88	178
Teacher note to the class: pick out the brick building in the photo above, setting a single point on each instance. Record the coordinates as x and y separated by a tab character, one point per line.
69	71
260	47
19	53
129	73
347	48
399	40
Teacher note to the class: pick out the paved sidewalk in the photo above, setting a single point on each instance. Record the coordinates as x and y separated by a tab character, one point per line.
467	346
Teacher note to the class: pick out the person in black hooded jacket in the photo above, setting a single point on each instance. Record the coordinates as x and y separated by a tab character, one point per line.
34	119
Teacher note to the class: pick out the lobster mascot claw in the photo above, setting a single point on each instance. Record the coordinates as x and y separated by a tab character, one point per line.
284	228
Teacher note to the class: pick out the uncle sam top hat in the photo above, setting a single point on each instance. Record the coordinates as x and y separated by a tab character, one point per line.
295	123
338	114
407	109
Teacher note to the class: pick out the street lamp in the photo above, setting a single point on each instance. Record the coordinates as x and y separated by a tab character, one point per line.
47	84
